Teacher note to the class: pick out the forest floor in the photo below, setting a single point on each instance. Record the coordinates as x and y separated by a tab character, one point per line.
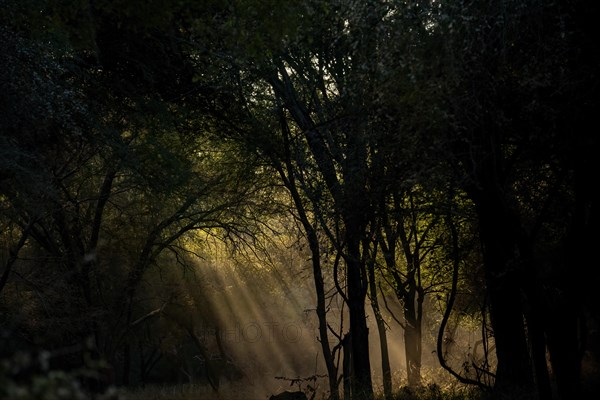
240	392
194	392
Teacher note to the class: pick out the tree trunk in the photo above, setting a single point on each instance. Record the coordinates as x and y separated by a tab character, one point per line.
347	366
350	200
412	343
386	370
537	342
287	176
362	387
323	338
564	345
498	234
535	313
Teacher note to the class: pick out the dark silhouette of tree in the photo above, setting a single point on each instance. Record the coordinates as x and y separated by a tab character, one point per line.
511	74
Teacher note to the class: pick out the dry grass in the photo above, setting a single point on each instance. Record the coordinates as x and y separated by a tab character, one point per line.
241	392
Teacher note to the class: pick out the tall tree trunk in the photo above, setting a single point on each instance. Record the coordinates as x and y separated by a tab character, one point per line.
350	200
566	328
503	275
322	316
386	370
362	387
537	342
563	330
535	316
410	294
499	233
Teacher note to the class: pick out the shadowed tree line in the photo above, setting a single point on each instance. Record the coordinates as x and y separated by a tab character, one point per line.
428	153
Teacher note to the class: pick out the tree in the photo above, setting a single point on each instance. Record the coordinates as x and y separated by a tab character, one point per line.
124	183
324	145
322	87
506	127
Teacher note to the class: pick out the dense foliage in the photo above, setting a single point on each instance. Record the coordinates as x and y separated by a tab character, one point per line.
438	154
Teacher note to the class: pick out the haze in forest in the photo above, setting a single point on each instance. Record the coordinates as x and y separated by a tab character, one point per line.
262	311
